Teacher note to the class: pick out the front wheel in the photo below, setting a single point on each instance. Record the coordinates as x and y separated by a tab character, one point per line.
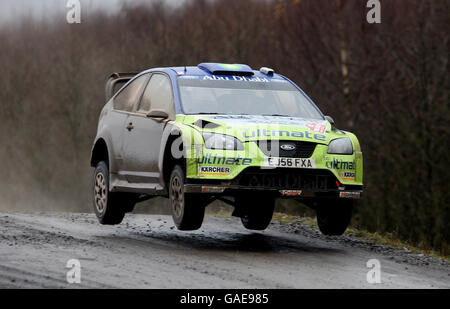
257	210
334	217
110	208
188	210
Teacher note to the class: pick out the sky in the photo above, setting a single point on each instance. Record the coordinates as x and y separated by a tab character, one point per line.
11	10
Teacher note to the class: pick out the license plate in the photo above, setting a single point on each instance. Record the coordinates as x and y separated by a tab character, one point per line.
289	162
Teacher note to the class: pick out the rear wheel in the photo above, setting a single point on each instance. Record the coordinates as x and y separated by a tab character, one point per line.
257	210
188	210
110	208
334	217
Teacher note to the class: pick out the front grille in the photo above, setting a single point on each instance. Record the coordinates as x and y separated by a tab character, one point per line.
272	148
287	178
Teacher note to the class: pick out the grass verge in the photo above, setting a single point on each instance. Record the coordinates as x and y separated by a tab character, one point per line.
383	239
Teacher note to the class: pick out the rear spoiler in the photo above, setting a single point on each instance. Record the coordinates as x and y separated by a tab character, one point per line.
115	82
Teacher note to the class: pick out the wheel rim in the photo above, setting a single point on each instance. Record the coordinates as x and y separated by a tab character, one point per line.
100	192
176	197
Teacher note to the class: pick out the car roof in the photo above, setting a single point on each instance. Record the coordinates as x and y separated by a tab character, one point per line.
220	69
208	70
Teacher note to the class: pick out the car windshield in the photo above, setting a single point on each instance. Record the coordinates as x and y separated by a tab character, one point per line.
269	97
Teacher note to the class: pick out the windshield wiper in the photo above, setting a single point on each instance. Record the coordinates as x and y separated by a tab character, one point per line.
277	115
203	113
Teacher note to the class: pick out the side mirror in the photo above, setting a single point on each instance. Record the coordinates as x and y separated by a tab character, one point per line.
158	113
330	120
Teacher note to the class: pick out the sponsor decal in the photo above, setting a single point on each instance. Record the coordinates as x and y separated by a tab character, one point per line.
340	165
210	159
238	120
348	176
237	78
289	162
214	170
291	192
283	133
317	127
232	78
349	194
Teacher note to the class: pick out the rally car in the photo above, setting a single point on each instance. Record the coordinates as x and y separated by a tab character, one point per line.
195	134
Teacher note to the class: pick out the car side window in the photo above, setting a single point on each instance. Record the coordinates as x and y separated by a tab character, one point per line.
158	96
127	97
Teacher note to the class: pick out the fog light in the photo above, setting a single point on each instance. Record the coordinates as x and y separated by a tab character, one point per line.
291	192
347	194
212	189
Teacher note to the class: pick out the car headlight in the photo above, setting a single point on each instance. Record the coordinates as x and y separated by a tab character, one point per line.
340	146
223	142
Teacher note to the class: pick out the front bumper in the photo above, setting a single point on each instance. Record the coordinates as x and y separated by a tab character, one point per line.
283	182
284	193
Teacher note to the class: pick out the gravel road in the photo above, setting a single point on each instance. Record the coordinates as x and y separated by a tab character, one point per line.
146	251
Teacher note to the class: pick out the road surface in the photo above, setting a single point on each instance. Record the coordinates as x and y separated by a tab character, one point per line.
146	251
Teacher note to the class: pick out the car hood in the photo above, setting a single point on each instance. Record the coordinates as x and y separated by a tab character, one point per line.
249	127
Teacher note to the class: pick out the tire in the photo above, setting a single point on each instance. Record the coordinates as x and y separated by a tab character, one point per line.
110	208
188	210
257	210
334	217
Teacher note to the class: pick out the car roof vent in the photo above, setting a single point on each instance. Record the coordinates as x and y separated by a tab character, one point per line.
267	71
227	69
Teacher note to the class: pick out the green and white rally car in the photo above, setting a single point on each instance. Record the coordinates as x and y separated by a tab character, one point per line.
221	131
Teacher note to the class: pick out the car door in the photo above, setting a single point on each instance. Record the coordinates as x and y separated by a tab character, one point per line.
143	141
123	104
